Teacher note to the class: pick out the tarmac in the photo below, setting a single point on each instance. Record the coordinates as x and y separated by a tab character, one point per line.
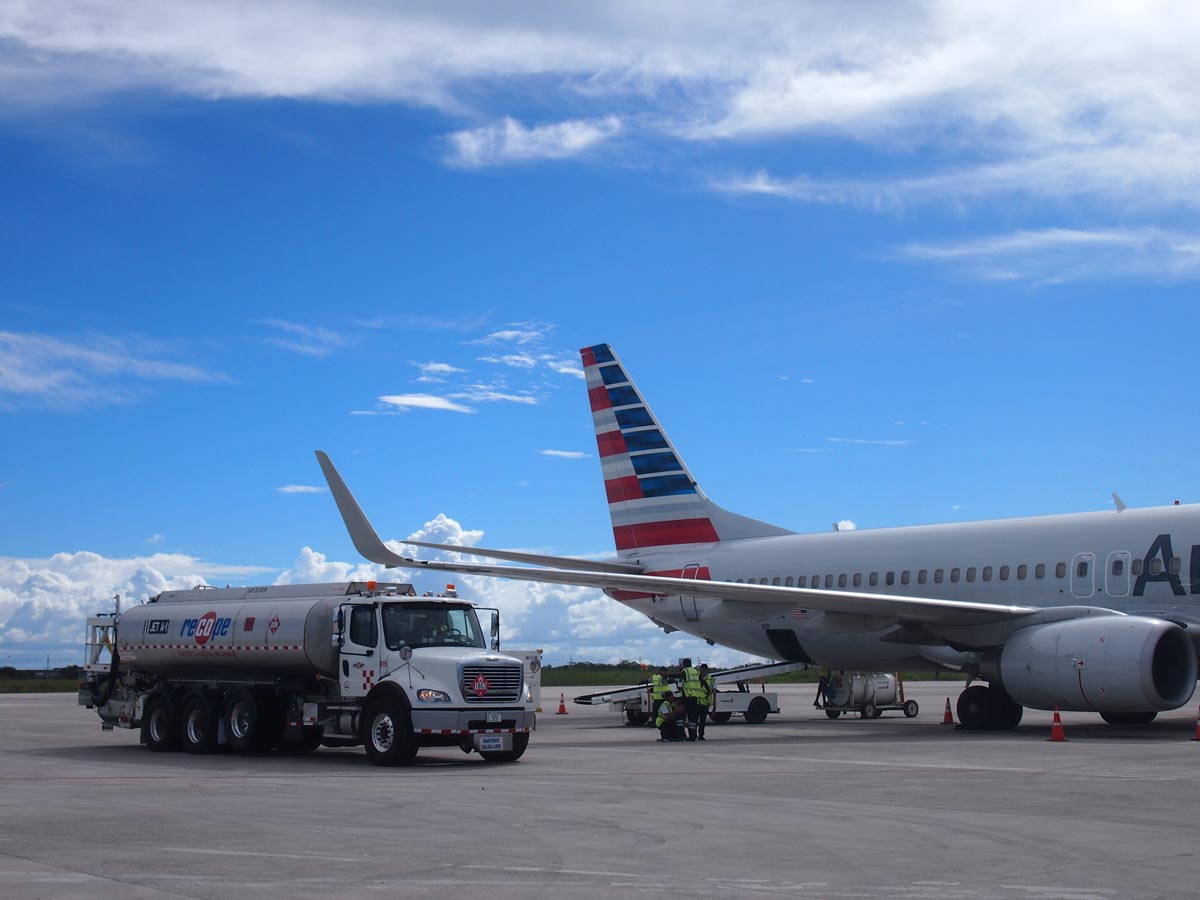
800	806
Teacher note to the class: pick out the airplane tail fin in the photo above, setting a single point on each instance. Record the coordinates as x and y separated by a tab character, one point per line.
654	501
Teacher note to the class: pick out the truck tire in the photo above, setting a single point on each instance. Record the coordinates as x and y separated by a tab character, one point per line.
833	713
869	711
756	712
246	727
911	709
520	743
720	718
387	733
197	724
159	733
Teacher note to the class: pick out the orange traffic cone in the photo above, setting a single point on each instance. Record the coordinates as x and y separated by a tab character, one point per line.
562	705
1197	737
1056	730
947	716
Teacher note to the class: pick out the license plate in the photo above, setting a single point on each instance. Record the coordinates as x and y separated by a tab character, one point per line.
491	742
494	716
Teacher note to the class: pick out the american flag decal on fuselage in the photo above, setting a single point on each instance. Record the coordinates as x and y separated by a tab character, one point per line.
652	498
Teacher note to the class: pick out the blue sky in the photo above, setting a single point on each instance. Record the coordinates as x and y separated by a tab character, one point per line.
889	264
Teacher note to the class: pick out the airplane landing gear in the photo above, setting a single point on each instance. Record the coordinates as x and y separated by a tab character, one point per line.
983	708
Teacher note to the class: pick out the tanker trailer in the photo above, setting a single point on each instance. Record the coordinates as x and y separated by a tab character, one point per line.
300	666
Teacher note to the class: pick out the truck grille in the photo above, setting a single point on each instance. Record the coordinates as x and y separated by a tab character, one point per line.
503	683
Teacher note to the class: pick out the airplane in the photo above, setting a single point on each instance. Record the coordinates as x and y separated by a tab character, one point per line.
1094	611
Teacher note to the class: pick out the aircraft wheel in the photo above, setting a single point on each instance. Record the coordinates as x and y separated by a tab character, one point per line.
756	712
159	732
911	709
975	708
1128	718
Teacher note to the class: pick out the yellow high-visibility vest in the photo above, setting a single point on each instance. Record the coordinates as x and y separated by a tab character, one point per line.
691	683
658	687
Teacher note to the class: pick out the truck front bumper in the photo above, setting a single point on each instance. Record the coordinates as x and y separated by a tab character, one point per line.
465	722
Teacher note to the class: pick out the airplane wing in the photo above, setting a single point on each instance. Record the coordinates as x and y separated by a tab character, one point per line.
905	609
537	559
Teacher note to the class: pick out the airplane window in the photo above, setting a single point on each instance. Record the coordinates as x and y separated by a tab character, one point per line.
1118	566
904	577
763	580
1004	573
987	573
922	576
816	581
970	573
802	581
739	581
1039	571
891	578
1082	569
1022	571
1136	567
842	580
858	579
775	581
1060	571
937	576
874	579
787	582
1173	566
828	581
1155	566
954	573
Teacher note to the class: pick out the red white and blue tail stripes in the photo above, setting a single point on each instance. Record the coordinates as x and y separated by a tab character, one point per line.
653	499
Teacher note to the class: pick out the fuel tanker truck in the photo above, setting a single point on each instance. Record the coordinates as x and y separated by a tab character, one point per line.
254	668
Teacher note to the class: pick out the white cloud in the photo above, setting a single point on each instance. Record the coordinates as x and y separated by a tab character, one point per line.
565	454
570	367
514	360
1061	254
308	340
869	443
311	567
301	489
525	334
406	402
431	371
509	142
154	539
97	369
482	394
846	525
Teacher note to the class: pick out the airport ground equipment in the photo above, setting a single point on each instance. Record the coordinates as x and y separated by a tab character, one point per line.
298	666
869	695
634	701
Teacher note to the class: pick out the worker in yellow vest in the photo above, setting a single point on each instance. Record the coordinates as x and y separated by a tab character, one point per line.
692	693
670	718
659	685
705	700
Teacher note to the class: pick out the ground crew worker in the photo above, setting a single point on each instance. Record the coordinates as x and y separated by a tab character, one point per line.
691	695
659	684
670	718
705	700
822	688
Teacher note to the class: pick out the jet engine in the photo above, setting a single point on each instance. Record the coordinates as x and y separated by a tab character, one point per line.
1109	664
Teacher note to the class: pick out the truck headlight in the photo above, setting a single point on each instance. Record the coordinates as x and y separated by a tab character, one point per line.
528	693
429	695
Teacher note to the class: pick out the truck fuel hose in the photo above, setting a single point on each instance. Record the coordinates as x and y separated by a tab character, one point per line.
102	698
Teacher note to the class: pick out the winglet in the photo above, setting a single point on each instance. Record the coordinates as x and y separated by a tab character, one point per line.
366	541
1119	502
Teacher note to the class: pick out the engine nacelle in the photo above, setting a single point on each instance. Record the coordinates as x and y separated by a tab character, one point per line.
1103	664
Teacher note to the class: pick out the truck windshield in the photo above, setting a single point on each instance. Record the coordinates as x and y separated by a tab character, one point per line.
430	625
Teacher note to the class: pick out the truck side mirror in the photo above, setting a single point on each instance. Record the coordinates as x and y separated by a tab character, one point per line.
495	630
339	625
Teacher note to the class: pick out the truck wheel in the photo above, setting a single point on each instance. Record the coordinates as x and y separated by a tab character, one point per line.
911	709
636	717
245	726
197	724
756	712
159	733
387	733
520	743
833	713
720	718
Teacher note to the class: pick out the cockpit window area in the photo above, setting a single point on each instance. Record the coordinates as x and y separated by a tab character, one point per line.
419	625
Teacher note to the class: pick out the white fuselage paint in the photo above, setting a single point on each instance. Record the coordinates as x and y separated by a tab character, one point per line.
1134	539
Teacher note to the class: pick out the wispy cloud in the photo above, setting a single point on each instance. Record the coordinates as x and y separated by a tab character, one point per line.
508	142
565	454
481	394
308	340
1061	254
406	402
871	443
300	489
70	373
513	360
520	335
